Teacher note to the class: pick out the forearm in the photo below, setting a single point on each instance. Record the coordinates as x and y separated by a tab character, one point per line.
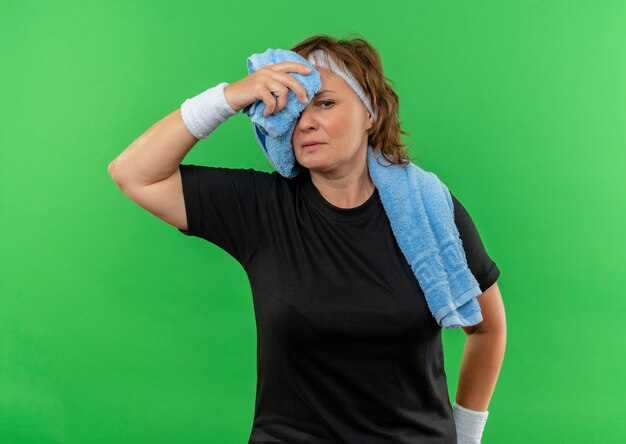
158	152
480	366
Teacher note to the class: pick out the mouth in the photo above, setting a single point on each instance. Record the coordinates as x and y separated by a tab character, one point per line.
312	146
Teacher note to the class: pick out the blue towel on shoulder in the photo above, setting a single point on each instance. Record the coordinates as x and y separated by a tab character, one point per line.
417	203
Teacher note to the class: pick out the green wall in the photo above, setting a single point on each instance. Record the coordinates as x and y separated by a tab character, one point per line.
117	328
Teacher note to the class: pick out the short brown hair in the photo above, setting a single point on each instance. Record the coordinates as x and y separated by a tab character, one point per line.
363	61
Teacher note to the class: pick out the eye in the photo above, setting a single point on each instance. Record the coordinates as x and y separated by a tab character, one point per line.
325	101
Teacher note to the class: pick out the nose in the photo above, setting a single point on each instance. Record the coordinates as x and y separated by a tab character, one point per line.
307	119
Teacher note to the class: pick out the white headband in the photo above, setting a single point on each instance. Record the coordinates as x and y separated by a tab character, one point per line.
320	58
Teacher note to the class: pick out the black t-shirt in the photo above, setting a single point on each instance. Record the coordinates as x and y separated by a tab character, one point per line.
347	349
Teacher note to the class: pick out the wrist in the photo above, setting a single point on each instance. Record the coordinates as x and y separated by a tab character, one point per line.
204	112
228	100
469	424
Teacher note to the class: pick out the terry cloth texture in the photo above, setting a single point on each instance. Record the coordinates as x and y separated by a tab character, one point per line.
417	202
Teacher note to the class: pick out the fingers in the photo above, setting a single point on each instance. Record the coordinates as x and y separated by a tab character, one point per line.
297	87
280	71
273	105
278	80
280	74
281	101
270	103
291	67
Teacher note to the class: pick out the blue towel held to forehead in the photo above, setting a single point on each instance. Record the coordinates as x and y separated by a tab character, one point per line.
417	203
274	131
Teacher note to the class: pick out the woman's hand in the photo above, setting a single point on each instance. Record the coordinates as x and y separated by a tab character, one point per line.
262	83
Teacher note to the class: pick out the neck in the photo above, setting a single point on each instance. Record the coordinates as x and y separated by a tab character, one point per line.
348	191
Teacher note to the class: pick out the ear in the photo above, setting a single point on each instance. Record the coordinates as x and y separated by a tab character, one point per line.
370	121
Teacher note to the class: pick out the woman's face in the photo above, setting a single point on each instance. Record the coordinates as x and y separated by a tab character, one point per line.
337	118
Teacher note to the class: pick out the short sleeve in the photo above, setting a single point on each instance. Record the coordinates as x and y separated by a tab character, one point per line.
226	206
480	264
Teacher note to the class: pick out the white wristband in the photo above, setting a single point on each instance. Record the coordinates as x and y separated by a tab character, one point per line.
469	424
204	112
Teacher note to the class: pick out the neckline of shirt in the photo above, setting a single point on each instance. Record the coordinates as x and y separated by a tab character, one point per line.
355	214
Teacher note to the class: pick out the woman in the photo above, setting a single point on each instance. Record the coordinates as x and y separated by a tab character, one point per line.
348	350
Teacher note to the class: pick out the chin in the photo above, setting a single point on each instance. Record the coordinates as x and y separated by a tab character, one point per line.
320	167
311	162
317	162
